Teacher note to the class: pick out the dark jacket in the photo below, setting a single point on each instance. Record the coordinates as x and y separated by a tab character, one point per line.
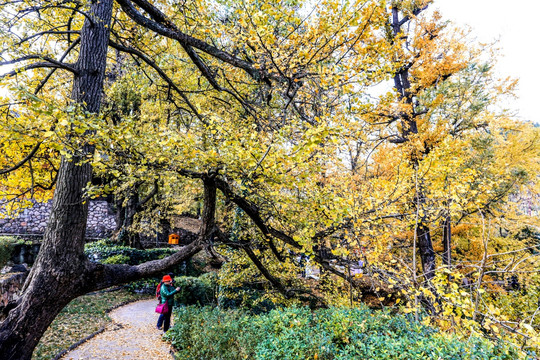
167	293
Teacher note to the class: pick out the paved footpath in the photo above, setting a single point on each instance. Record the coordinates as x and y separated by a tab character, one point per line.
134	337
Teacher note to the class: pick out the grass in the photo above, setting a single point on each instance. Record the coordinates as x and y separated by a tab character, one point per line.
79	319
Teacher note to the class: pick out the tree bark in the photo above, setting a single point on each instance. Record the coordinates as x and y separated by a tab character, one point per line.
126	236
427	254
447	241
209	207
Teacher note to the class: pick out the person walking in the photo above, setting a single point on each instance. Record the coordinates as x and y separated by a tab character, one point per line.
158	296
167	292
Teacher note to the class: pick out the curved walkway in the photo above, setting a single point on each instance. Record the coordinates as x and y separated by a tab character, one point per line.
133	337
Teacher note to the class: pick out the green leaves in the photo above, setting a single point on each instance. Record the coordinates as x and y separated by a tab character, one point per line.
335	333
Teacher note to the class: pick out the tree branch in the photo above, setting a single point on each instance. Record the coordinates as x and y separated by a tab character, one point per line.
49	63
161	73
149	196
100	276
48	32
23	161
415	12
165	27
57	6
68	50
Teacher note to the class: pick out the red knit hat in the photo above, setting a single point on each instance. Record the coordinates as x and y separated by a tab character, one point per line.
167	278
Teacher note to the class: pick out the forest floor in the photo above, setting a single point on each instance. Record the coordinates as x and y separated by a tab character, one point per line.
131	336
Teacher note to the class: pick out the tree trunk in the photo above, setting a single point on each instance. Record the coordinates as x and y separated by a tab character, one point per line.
447	241
208	222
55	278
425	247
164	229
126	235
409	127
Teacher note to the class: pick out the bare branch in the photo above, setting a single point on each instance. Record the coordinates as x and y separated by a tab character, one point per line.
39	66
48	63
48	32
58	6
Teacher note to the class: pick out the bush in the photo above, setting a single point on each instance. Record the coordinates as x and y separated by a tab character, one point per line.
100	251
245	297
336	333
143	286
196	290
7	244
116	259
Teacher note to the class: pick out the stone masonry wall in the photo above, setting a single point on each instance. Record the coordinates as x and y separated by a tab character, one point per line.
32	221
10	287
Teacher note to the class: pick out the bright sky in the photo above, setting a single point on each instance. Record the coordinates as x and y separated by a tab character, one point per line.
515	25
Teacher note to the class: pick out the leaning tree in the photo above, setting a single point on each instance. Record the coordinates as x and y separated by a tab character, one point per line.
38	41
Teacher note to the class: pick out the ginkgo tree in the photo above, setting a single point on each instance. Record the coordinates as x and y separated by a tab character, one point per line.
347	187
59	50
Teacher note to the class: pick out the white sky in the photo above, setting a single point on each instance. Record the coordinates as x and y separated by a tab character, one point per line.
515	25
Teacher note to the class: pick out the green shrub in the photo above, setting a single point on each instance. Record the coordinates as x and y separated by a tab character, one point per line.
196	290
245	297
143	286
208	333
101	250
7	244
116	259
336	333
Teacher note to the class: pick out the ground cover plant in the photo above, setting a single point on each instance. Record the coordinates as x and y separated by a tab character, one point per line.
297	333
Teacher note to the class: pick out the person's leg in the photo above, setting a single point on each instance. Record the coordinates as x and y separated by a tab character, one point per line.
160	321
167	321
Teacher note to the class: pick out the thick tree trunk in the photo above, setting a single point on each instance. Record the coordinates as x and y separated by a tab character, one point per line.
55	278
209	207
164	229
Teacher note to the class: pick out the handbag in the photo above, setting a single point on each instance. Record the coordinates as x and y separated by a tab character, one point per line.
162	308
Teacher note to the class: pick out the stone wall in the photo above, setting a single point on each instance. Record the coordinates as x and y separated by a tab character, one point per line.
32	221
10	287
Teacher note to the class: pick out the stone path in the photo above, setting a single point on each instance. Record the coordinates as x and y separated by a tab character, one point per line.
133	337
